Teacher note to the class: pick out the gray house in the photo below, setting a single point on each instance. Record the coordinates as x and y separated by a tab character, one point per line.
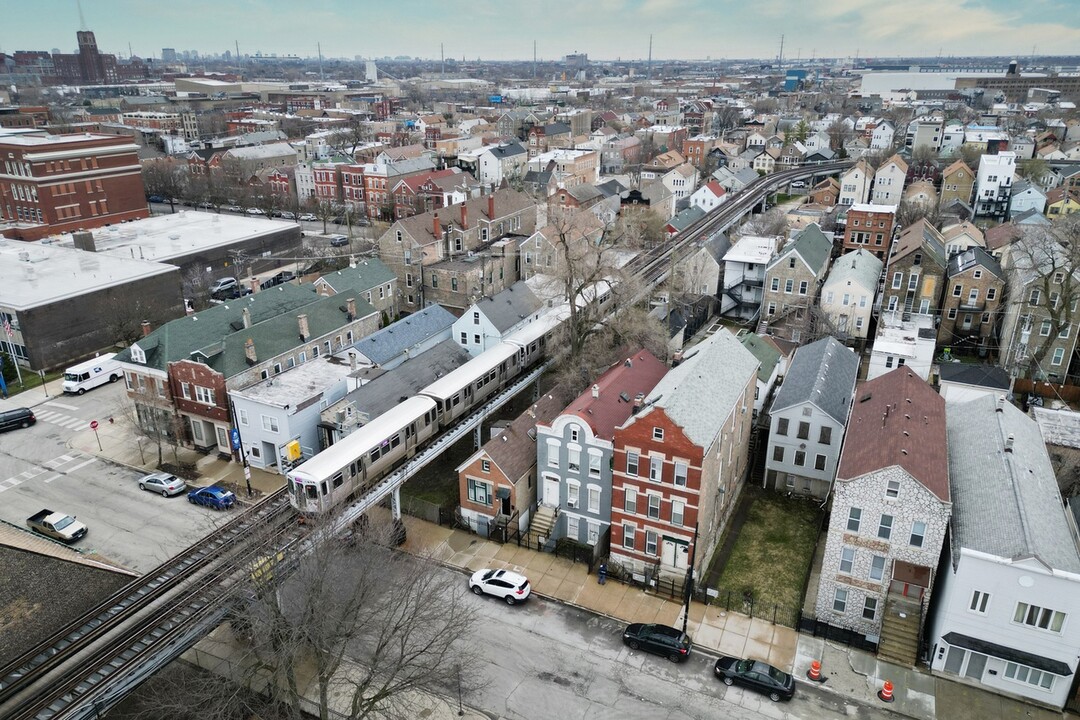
574	453
809	417
492	318
406	338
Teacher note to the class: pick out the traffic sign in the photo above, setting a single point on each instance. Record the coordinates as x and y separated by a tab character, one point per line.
93	424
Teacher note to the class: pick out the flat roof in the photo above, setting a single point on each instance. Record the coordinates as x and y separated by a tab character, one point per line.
32	274
297	384
164	237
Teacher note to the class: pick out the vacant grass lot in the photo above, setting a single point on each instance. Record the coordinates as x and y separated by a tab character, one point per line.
772	554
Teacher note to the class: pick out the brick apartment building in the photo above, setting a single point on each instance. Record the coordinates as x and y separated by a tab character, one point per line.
59	183
870	227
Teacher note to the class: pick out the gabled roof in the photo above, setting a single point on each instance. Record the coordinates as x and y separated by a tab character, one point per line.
554	129
920	235
963	228
822	373
898	420
509	307
1031	216
384	345
811	245
974	256
686	218
1006	498
364	276
505	150
715	188
957	166
421	226
388	389
513	450
897	161
700	393
618	386
766	353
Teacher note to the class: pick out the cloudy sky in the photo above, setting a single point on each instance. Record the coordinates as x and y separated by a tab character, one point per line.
605	29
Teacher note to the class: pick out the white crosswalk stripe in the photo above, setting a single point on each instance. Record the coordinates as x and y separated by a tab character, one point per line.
65	421
57	468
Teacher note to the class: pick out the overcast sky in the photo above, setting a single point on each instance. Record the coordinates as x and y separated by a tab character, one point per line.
506	29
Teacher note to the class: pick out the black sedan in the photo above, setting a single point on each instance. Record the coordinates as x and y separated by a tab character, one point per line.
756	675
670	642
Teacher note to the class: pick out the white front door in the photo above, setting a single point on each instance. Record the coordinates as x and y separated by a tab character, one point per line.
551	492
674	554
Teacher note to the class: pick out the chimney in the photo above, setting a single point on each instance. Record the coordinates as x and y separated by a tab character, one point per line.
464	216
639	400
249	352
1000	404
1009	443
305	331
247	318
146	328
491	206
436	229
596	391
254	285
352	361
350	305
84	240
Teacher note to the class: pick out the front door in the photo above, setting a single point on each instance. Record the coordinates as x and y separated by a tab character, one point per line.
976	664
551	492
674	554
506	505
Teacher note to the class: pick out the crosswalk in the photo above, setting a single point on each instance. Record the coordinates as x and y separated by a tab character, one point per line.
65	421
49	470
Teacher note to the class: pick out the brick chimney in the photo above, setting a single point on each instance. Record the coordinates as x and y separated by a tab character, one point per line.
249	352
305	331
491	206
146	328
247	318
352	361
436	229
254	285
350	306
464	216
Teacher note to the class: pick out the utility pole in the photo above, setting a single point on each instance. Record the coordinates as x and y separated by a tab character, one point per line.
534	59
780	61
319	45
442	59
648	67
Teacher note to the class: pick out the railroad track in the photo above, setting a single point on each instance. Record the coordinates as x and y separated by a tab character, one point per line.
76	661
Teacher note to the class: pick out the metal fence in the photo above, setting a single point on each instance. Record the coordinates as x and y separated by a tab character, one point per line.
820	628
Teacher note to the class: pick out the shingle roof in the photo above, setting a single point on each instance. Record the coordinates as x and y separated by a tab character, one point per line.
509	307
394	339
686	218
1005	503
766	353
514	449
986	376
699	393
822	373
638	373
898	420
811	245
974	256
367	274
920	235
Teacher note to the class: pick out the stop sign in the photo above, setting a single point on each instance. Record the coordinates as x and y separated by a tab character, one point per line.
93	424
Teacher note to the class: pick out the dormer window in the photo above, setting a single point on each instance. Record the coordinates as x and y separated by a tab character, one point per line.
137	355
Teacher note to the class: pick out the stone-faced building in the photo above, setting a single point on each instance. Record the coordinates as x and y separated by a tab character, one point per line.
680	461
891	508
179	374
792	281
847	296
916	271
574	453
974	290
809	417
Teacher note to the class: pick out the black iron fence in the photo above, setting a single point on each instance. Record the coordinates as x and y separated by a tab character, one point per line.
820	628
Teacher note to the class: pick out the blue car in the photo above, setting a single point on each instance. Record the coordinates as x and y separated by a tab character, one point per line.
213	496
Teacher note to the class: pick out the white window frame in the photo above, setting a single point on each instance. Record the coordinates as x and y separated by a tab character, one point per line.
847	560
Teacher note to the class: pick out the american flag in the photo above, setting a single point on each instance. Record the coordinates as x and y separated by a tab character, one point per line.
7	329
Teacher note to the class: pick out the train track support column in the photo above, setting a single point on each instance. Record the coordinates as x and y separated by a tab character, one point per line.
395	503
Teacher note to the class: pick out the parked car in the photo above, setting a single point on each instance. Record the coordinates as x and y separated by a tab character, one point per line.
206	206
308	217
798	184
164	483
664	640
255	211
233	208
155	199
56	525
222	284
287	215
213	496
511	587
756	675
338	241
16	418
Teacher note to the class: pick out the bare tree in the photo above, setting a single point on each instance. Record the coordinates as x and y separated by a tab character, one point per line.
1034	170
323	209
923	155
971	155
165	178
910	212
151	419
725	117
768	224
1049	258
839	134
639	230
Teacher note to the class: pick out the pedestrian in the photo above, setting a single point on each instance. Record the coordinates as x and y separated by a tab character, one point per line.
601	574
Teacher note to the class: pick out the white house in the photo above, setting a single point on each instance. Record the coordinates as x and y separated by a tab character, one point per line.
889	182
847	295
305	182
958	237
1026	196
680	180
278	418
709	196
855	184
744	275
501	162
903	343
881	137
993	184
1009	596
492	318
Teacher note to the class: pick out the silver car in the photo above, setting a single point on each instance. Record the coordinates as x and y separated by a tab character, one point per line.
164	483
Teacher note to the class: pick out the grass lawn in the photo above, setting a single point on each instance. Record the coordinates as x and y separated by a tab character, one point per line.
773	552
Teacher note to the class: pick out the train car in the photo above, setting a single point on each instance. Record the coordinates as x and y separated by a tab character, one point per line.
464	389
531	340
358	460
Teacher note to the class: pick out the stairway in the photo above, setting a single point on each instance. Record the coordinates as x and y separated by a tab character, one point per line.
541	525
900	632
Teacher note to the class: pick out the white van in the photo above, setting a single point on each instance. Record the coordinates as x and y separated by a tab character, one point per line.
97	371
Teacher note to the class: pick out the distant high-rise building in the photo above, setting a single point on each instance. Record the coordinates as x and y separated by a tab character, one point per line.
168	55
86	67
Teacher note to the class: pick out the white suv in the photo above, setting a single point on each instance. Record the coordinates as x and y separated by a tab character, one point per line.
222	284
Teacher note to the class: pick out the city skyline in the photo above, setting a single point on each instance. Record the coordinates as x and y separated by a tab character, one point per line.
681	29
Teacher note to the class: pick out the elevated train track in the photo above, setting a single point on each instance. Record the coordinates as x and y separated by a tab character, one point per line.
88	666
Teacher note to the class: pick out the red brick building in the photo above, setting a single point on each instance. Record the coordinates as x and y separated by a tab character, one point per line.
58	183
681	460
410	197
870	227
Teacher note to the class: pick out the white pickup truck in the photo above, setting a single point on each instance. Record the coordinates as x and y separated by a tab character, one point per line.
56	525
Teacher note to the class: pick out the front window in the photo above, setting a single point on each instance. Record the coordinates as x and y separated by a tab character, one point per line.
854	519
979	601
594	499
825	435
594	465
630	501
480	492
869	611
892	489
677	512
650	542
631	463
680	473
204	395
656	468
847	560
782	426
918	533
654	507
270	424
840	600
877	568
885	527
573	494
